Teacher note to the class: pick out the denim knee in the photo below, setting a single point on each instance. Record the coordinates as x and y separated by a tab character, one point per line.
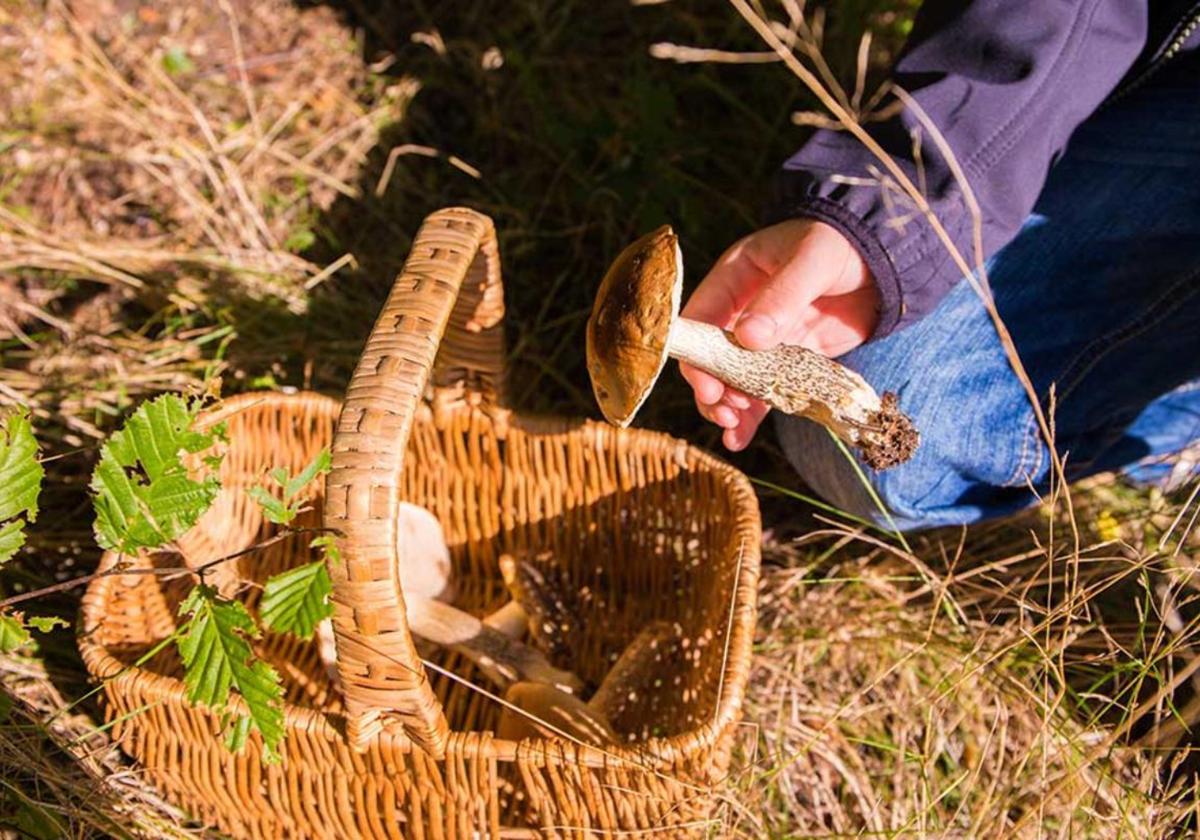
936	488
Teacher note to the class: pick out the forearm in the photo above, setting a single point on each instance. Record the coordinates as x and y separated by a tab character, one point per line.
1006	83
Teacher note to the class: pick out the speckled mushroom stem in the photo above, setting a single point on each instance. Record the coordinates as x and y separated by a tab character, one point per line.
798	381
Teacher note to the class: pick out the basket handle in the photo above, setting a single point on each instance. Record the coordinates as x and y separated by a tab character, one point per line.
450	284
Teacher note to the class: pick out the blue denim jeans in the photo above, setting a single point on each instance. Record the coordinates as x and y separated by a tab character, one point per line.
1101	292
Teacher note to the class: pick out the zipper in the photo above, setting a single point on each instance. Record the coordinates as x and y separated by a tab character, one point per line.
1183	31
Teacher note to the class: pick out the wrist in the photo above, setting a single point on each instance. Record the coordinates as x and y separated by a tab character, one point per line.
869	261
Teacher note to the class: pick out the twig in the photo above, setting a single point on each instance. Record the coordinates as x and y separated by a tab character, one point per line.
690	55
167	572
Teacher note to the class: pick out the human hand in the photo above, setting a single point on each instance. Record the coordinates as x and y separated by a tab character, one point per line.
796	282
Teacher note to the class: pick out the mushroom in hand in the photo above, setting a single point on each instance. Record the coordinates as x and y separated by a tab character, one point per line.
635	326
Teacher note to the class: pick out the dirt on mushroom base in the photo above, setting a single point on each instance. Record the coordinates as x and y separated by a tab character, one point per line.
895	438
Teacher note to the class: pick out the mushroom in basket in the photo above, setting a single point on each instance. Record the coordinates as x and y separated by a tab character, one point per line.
491	643
543	711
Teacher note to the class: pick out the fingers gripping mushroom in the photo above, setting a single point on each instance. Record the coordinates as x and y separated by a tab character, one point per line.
635	326
544	712
491	643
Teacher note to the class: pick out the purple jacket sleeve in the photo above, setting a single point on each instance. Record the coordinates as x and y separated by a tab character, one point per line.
1006	83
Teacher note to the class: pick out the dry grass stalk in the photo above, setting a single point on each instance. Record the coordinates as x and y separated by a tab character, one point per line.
142	175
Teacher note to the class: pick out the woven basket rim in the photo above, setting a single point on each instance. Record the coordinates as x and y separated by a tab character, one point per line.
662	749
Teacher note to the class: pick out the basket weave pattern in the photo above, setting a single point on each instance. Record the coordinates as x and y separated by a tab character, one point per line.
645	526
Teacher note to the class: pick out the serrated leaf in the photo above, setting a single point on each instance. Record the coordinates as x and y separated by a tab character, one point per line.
273	509
20	472
20	482
319	466
144	496
46	623
282	512
12	634
217	657
156	433
175	502
12	537
297	600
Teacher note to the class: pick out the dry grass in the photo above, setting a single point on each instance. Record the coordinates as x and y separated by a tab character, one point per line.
60	777
143	171
876	714
167	219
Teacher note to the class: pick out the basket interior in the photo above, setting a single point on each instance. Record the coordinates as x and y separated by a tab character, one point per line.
634	525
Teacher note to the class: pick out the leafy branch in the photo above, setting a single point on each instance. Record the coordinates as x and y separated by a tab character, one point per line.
297	600
282	512
123	569
217	656
144	495
147	491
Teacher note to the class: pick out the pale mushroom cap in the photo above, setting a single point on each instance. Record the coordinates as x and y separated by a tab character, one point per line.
631	321
549	712
424	556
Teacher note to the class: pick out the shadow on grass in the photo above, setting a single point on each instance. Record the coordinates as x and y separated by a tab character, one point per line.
581	141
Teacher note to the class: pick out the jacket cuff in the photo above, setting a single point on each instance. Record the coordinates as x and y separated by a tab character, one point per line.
865	241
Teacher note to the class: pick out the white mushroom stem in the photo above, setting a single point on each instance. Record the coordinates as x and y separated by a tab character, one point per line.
796	380
535	710
512	620
503	659
491	643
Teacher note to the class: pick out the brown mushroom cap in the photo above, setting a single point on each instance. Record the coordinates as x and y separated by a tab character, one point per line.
635	307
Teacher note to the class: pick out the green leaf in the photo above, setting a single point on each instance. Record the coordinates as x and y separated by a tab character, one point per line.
20	482
12	634
297	600
46	623
319	466
329	544
217	657
300	239
156	433
20	472
273	509
283	512
176	61
12	537
239	731
144	496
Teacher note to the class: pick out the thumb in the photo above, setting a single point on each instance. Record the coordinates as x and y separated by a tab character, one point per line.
815	266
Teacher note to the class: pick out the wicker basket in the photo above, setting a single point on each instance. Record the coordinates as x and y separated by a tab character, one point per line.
649	526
